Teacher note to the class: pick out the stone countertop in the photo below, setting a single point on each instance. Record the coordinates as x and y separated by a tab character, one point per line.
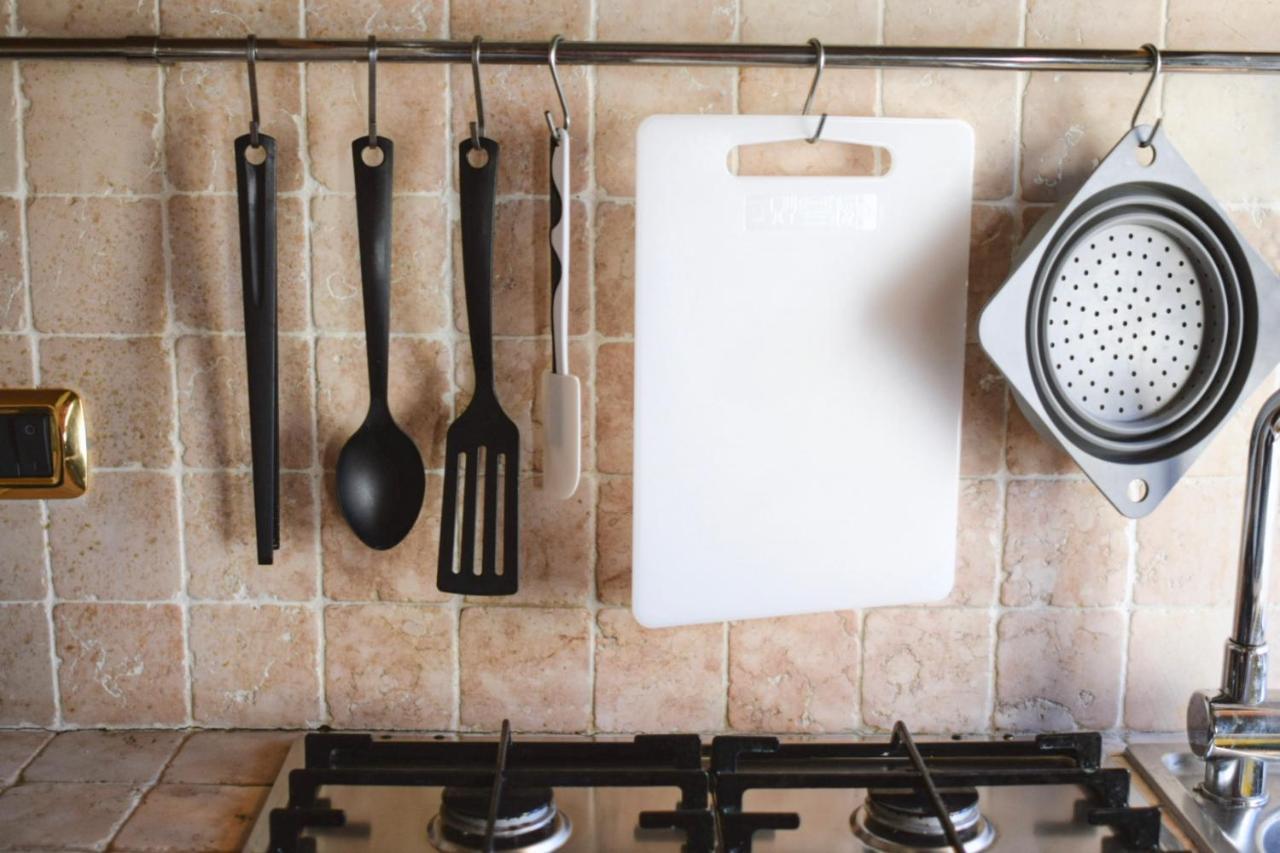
152	790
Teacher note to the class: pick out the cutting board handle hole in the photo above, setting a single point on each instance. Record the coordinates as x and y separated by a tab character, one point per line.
798	158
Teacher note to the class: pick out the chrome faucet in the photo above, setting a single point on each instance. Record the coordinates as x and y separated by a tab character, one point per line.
1237	729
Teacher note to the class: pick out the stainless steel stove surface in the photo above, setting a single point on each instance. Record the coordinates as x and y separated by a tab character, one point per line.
675	793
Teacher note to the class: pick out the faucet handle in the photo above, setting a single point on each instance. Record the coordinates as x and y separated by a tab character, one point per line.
1218	729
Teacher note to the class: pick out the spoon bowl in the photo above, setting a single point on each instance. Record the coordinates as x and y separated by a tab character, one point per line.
380	482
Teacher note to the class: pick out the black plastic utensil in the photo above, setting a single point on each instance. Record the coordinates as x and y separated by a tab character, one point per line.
482	443
256	193
380	474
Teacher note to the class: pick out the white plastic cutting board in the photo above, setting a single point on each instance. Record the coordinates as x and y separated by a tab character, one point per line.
799	370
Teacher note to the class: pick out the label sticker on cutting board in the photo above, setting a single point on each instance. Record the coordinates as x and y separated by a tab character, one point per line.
798	371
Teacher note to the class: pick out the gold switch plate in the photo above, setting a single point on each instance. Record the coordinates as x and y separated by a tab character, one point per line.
69	444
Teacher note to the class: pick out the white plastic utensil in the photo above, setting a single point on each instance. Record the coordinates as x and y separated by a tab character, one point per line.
561	392
798	370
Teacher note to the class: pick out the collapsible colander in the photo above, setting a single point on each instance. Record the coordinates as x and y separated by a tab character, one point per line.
1134	322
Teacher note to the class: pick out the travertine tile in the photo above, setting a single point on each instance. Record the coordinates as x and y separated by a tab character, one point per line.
1221	132
626	96
207	107
835	21
1069	123
204	239
9	136
515	98
97	287
409	19
1228	453
22	558
121	664
615	368
407	572
118	541
37	815
694	20
992	237
520	366
1029	452
390	666
221	539
977	544
77	18
418	388
927	666
15	360
1093	24
13	292
520	20
1058	670
555	546
1064	546
1172	652
411	113
1261	228
1193	23
982	436
72	108
613	542
419	252
128	382
986	103
522	271
100	756
993	23
1188	548
254	665
530	665
192	817
26	680
230	758
17	748
213	402
615	267
230	18
666	680
797	674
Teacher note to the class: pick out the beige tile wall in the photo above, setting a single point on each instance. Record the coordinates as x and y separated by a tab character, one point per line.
141	604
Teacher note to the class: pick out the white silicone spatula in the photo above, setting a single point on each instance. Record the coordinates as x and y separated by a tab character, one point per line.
561	393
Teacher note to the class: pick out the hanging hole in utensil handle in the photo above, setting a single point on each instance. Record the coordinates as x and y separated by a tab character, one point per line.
255	155
1137	490
477	158
1145	154
372	156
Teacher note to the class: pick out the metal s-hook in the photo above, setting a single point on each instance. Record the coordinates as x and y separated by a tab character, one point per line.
373	91
251	58
813	89
1155	72
477	126
555	78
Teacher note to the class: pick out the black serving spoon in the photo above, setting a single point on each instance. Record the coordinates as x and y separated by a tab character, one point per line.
380	475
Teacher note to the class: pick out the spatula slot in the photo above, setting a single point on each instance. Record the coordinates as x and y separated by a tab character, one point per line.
499	490
798	158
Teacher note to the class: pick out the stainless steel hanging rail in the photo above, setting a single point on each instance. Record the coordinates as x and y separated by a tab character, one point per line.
160	49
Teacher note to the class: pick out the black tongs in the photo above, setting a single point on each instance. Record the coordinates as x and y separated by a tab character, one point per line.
256	191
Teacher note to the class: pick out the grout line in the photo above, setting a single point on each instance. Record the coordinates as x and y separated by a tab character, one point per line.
35	753
588	412
170	338
141	790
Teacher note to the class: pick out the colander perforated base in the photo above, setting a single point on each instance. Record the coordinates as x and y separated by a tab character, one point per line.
1135	319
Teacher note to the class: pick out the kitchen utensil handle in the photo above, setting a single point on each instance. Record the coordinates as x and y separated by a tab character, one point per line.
373	223
478	187
256	197
559	236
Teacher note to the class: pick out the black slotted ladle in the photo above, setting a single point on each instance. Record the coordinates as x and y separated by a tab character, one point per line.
256	200
380	474
483	443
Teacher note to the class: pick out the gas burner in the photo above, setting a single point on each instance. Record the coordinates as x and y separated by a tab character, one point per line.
903	821
528	821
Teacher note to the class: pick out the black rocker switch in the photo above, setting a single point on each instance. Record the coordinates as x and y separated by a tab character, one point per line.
26	449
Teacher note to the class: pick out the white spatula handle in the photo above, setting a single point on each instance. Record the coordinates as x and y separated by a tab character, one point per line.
560	251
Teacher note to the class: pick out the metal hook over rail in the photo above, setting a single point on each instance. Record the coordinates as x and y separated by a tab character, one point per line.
251	59
555	79
373	92
477	126
1151	82
821	63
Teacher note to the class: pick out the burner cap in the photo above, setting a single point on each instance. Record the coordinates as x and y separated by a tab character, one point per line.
901	820
527	822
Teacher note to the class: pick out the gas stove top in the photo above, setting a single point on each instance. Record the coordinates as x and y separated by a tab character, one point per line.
736	794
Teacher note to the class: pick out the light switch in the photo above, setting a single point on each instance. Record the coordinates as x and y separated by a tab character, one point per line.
43	452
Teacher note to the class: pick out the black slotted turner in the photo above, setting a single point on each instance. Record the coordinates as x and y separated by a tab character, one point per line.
482	441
